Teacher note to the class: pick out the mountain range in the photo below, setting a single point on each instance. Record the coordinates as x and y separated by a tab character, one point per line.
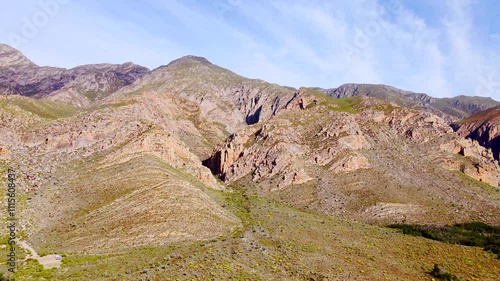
191	171
454	108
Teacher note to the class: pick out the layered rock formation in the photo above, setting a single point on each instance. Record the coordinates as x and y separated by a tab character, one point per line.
342	156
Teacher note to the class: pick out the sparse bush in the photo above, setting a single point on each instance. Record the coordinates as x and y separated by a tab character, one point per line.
439	272
462	167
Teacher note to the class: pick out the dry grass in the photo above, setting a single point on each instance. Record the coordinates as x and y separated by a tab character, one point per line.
283	243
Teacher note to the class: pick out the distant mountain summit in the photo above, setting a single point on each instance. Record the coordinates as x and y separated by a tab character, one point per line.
189	59
80	86
457	107
10	57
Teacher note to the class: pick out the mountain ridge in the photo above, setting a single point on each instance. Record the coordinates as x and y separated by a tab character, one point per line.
10	57
18	77
458	107
79	86
187	58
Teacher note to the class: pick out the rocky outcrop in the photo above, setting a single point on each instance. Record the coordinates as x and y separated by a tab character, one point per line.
430	130
283	150
10	57
223	158
274	148
478	161
255	150
351	163
301	100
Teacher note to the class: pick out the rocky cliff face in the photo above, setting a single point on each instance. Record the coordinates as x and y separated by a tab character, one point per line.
347	157
79	86
483	127
449	108
222	96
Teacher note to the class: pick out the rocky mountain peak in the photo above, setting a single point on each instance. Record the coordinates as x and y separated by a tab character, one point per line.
189	60
12	57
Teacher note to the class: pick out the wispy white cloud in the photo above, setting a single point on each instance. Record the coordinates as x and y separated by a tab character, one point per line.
436	47
471	63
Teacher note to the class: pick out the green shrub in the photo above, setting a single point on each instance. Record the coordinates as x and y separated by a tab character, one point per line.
476	234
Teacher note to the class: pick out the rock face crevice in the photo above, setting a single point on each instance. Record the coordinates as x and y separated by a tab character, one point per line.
221	161
254	117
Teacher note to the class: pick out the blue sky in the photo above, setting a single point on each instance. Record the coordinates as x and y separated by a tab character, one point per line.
443	48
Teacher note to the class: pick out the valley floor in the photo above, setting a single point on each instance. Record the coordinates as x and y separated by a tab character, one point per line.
277	242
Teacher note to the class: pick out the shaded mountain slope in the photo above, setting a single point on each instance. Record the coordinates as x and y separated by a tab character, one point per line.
483	127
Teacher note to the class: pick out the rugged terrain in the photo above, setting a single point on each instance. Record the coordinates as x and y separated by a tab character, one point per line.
190	171
136	152
339	157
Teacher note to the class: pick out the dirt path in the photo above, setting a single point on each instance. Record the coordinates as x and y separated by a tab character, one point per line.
48	261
